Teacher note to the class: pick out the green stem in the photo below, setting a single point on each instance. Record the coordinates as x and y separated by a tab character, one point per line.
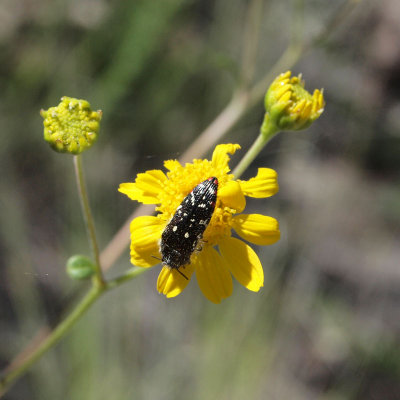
268	131
52	339
98	278
12	373
126	276
99	286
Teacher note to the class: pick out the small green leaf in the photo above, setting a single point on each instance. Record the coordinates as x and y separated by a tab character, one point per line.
80	267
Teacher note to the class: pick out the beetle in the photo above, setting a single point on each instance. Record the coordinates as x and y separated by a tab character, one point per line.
181	236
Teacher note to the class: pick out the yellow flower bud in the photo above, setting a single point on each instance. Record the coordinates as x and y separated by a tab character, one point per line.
289	106
72	126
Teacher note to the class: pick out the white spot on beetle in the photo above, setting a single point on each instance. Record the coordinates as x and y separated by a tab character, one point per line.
186	235
174	229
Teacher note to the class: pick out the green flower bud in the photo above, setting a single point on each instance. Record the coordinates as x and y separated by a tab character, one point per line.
72	126
289	106
80	267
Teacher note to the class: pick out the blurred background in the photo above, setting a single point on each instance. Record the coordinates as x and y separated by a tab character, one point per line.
327	323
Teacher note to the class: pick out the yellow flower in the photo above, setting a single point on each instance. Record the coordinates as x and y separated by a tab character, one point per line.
72	126
213	268
289	106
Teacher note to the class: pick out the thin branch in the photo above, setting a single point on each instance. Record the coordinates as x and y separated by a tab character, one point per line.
87	216
10	375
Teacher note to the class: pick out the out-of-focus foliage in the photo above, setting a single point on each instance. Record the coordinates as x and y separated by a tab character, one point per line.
327	323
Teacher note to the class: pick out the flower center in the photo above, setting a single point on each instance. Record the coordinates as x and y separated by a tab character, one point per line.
220	225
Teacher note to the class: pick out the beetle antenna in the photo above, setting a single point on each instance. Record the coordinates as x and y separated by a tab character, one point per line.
182	274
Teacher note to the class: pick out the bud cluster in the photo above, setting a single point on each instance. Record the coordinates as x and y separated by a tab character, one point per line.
72	126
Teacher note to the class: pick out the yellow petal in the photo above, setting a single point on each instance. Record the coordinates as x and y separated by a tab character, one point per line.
130	190
220	156
232	196
243	262
213	275
173	165
147	187
256	228
171	283
145	235
265	184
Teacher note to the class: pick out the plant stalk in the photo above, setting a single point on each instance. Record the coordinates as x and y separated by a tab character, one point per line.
98	278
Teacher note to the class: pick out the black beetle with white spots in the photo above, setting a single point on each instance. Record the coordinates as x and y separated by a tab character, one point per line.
181	236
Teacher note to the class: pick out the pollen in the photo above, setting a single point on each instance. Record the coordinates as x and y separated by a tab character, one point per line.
219	226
